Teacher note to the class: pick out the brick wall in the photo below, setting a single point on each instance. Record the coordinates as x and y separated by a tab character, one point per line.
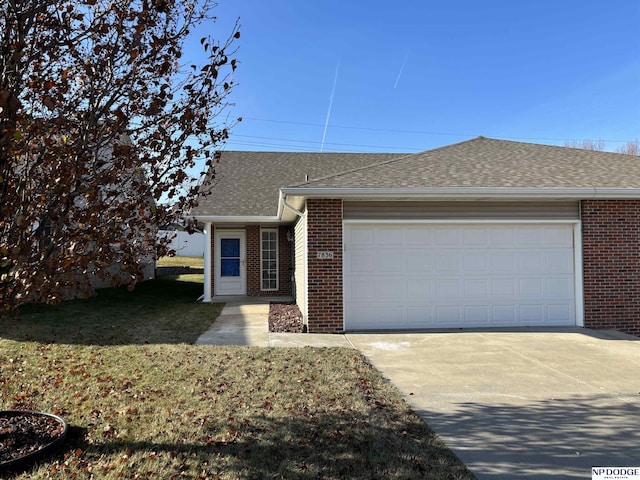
611	252
253	260
284	263
324	233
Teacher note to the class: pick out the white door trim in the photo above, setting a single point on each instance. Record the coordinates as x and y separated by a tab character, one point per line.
577	250
578	276
241	287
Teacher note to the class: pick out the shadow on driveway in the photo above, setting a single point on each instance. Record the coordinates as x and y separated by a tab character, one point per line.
550	438
524	403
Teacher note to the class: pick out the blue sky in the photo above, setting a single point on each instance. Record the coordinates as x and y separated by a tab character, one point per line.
415	75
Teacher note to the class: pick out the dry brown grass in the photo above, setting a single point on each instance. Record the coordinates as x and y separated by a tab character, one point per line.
170	410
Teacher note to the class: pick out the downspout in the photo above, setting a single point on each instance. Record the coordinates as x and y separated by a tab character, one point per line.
289	207
299	214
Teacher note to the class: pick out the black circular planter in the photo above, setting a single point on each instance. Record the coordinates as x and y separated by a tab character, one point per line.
27	459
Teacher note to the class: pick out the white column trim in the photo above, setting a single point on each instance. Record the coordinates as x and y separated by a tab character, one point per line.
208	227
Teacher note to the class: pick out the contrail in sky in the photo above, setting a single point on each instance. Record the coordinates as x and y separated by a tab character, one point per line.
401	70
333	90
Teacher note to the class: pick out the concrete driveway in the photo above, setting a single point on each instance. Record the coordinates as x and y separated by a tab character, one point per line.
523	403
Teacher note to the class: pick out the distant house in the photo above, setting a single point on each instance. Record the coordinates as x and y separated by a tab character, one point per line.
483	233
182	242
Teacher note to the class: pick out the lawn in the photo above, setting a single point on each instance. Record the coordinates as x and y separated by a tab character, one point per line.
145	403
176	261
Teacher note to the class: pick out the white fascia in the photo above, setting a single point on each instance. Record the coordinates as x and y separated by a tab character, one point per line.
460	193
282	206
239	219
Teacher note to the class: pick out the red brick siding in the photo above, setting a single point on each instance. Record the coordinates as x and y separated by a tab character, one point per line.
611	257
324	233
253	260
254	267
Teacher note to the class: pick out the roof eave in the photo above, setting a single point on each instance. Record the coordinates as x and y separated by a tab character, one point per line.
236	219
457	193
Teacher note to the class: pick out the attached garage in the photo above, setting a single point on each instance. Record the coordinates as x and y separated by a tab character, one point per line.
462	272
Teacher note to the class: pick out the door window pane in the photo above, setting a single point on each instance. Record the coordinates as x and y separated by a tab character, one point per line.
230	247
230	267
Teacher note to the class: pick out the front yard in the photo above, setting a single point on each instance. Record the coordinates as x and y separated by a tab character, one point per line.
144	403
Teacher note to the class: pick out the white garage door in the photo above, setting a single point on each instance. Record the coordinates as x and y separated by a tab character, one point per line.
415	276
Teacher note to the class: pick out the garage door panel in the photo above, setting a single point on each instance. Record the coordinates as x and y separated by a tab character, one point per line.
476	315
389	236
530	236
475	287
557	261
558	288
502	262
475	236
396	289
447	262
448	288
418	236
558	236
531	288
360	288
390	262
419	316
388	315
502	286
560	314
504	237
360	263
360	237
420	262
442	276
532	314
475	263
448	315
420	288
529	262
446	237
504	314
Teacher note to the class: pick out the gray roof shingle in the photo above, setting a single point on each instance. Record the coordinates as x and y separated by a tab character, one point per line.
488	163
248	183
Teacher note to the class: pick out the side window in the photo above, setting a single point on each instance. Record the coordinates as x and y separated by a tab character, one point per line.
269	259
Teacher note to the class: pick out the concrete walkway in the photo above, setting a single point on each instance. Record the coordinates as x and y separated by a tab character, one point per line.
246	322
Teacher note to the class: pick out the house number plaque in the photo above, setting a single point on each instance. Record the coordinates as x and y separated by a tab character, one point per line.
324	255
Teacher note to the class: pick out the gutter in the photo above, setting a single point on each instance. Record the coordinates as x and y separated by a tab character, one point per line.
244	219
460	193
290	208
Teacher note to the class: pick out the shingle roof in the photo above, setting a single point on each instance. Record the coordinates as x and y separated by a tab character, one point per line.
248	183
488	163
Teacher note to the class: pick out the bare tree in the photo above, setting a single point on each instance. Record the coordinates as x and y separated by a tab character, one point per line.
630	148
597	145
101	119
